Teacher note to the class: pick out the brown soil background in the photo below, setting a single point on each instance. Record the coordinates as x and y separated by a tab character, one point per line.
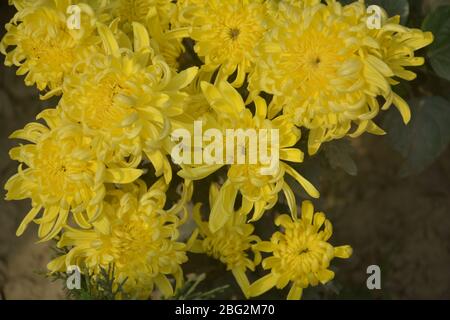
402	225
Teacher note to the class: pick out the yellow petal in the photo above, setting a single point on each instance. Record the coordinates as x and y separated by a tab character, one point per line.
222	209
319	219
210	92
380	66
164	285
290	197
283	220
263	285
343	252
264	246
315	139
261	107
325	275
57	264
28	218
259	210
403	108
240	77
291	154
50	214
125	175
295	293
141	37
182	79
198	173
57	227
374	129
309	188
109	42
242	280
232	96
307	211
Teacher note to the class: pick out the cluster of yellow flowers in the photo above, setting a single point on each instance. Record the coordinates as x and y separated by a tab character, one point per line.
97	167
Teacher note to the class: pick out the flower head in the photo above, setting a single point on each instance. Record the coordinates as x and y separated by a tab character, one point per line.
129	97
226	33
300	254
327	71
60	172
45	49
230	244
136	235
258	183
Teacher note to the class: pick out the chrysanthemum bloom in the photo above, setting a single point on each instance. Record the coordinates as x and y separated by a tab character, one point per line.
45	49
136	235
396	48
61	173
129	98
231	244
226	33
300	254
259	189
326	68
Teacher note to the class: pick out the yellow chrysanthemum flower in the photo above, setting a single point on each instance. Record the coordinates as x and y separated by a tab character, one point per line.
327	70
136	235
226	33
45	49
396	48
230	244
62	174
301	254
259	190
129	98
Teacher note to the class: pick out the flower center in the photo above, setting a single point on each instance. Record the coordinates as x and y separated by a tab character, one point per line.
303	251
312	61
316	62
234	33
56	166
103	111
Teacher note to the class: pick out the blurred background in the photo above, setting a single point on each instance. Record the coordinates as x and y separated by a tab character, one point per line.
395	214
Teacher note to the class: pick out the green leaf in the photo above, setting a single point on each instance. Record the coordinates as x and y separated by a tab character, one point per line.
425	137
438	22
393	8
338	153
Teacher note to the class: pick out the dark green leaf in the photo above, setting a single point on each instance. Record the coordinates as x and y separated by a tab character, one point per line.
339	153
438	22
425	137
